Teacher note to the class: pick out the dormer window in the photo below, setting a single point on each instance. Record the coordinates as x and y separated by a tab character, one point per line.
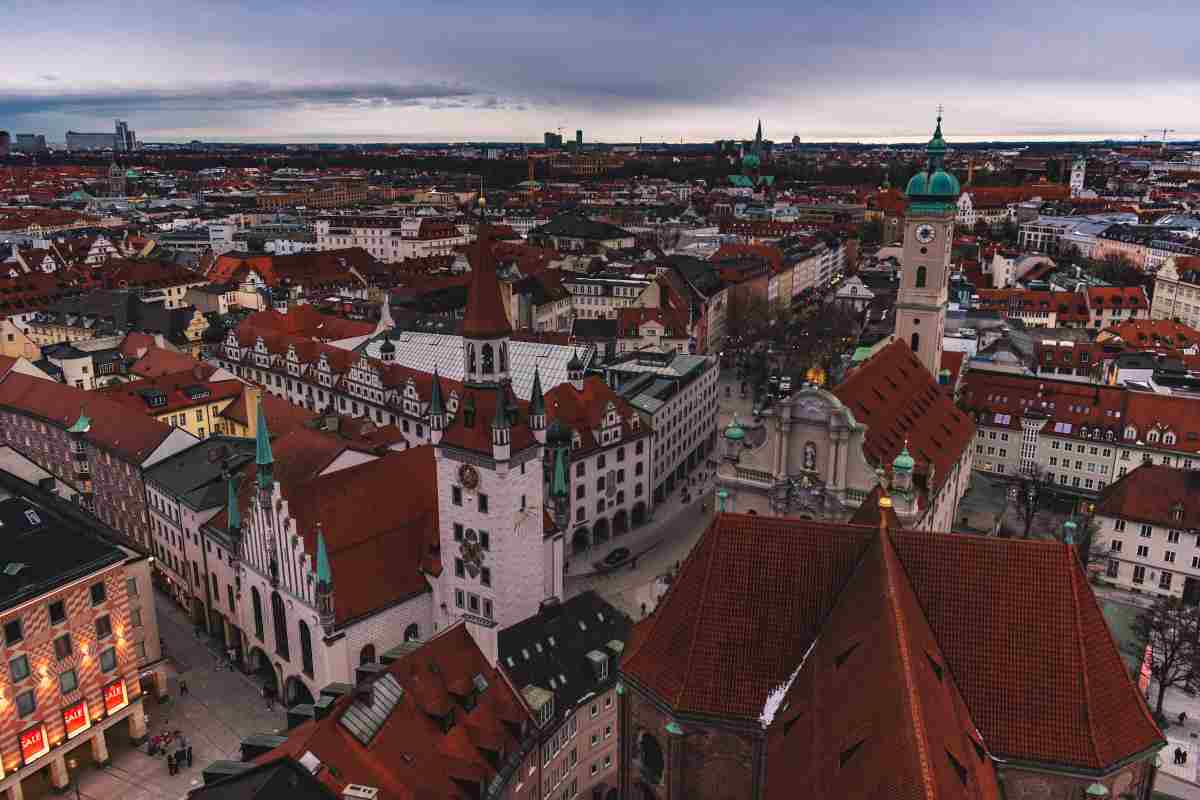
1177	512
1130	433
1168	438
1152	437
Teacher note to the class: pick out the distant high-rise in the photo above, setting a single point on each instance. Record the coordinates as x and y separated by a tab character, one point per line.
5	143
30	143
552	140
124	140
578	138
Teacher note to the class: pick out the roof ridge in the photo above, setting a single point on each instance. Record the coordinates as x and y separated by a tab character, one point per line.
900	629
1083	673
704	599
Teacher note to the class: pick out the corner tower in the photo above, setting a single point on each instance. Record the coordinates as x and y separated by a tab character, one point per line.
928	241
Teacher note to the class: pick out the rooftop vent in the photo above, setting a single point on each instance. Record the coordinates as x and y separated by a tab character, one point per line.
356	791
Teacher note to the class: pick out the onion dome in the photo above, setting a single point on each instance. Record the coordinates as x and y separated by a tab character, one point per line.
734	432
904	462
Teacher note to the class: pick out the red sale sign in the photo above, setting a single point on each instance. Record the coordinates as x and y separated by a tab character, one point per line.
34	744
76	719
115	697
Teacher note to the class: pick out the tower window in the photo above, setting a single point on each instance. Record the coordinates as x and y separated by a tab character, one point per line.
921	277
915	342
488	360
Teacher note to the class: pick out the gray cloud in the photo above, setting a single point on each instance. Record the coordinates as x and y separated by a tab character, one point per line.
239	95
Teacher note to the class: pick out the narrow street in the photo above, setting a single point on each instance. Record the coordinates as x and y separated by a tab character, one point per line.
220	709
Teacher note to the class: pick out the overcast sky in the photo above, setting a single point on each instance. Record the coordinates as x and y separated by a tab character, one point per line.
419	70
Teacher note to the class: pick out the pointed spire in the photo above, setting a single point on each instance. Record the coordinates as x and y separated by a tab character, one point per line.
537	403
558	487
485	317
262	449
436	406
758	133
324	574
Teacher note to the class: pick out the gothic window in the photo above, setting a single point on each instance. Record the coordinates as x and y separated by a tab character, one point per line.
280	618
915	342
367	655
258	621
470	359
921	275
412	633
306	648
503	357
488	366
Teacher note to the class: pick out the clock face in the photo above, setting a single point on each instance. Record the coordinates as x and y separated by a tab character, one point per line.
467	476
925	234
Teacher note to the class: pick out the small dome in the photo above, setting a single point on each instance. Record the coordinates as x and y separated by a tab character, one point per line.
904	461
944	184
918	184
387	346
734	432
751	161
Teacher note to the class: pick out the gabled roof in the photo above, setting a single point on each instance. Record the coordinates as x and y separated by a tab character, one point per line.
1017	625
898	400
306	320
873	710
411	755
1154	494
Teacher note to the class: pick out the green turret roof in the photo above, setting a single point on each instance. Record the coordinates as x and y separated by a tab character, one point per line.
734	431
933	184
262	449
324	574
904	461
232	512
558	488
81	425
537	403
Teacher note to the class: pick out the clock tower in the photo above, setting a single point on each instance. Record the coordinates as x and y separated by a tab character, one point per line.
928	241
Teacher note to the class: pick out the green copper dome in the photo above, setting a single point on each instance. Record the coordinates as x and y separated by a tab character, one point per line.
751	161
934	183
734	432
904	461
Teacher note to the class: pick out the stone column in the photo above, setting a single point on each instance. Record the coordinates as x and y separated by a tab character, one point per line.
15	792
844	446
60	779
137	723
100	749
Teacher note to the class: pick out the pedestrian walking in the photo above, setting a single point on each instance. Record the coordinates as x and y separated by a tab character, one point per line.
189	756
183	689
171	768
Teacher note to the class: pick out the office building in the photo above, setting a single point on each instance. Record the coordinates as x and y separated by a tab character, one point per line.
90	141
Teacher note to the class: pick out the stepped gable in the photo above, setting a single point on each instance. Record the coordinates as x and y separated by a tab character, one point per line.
1029	648
898	400
749	600
485	316
873	710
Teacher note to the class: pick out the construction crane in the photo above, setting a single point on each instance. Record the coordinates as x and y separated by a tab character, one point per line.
1163	147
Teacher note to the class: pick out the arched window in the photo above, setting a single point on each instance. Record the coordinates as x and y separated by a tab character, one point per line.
280	617
258	625
470	358
503	357
306	648
921	275
1168	438
1131	432
412	633
367	655
1152	437
488	360
915	341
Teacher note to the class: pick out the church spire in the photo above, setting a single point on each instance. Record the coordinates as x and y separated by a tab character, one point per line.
324	583
758	133
263	458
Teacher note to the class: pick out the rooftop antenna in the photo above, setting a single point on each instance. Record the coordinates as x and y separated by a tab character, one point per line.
1162	147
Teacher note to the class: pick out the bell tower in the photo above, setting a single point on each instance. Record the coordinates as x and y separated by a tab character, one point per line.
928	242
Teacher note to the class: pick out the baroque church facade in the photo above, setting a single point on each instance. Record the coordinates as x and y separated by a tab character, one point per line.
822	454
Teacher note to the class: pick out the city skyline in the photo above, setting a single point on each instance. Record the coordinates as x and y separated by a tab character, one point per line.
469	72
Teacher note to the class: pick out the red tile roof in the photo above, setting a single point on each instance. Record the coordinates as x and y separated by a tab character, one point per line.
584	411
898	400
282	416
874	711
629	320
310	270
180	390
411	756
1155	494
160	361
1013	622
1152	333
132	436
305	320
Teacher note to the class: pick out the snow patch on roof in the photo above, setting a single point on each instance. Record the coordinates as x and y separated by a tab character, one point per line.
775	697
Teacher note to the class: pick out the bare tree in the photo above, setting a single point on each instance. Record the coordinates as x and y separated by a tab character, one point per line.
1028	494
1172	632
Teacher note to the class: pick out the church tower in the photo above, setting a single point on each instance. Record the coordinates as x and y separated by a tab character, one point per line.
928	241
1078	173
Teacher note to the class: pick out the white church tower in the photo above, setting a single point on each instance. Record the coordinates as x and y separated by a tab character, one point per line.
1078	173
928	242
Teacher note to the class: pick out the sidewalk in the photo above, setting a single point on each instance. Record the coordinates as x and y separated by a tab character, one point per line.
221	708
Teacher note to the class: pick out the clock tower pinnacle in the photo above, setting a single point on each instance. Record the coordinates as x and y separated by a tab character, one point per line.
928	241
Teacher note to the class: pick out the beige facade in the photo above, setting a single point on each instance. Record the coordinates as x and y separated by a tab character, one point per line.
1175	298
921	305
